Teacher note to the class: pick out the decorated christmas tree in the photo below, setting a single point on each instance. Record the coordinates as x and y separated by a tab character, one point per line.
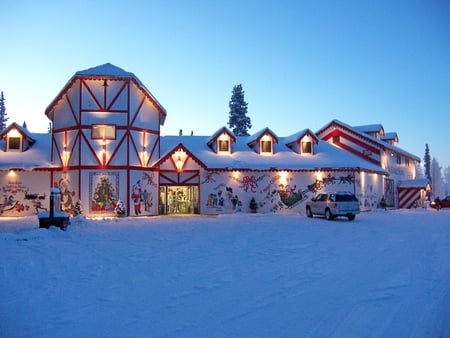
104	196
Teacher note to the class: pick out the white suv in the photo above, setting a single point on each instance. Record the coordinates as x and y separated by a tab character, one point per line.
333	204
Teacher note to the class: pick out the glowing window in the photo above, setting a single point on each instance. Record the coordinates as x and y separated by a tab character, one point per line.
224	145
266	146
105	132
13	143
306	147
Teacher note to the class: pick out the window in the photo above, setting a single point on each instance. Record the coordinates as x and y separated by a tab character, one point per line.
399	159
306	147
107	132
336	139
224	145
266	146
14	143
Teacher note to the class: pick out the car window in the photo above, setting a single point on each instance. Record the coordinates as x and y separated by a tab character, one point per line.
345	198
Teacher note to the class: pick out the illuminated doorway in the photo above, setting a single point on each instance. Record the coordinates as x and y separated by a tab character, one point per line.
178	200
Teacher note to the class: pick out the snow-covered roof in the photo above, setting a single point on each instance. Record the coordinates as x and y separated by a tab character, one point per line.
390	136
369	137
20	129
243	157
370	128
110	71
106	69
219	132
297	136
35	157
417	183
256	136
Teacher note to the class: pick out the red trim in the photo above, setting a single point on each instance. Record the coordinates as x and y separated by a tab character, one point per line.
83	82
90	148
113	154
71	108
137	111
117	96
337	132
173	150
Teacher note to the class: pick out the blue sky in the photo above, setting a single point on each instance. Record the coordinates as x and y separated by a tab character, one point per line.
301	63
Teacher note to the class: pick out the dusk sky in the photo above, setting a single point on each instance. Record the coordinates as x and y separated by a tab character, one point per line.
301	63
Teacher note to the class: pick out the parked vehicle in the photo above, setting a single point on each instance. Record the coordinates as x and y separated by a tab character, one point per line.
441	203
333	204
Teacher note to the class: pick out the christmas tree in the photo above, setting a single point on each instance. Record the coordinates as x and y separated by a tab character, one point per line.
104	195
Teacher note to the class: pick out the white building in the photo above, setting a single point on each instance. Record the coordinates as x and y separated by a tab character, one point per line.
106	144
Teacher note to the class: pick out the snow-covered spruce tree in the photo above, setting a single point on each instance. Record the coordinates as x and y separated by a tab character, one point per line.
238	121
3	116
436	178
427	162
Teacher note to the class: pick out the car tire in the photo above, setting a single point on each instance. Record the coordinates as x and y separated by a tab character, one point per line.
351	217
328	215
309	212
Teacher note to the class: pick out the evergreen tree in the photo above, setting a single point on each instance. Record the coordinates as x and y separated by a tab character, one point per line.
238	121
436	178
427	162
3	116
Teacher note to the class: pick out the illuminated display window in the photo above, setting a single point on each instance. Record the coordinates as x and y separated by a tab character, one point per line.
104	132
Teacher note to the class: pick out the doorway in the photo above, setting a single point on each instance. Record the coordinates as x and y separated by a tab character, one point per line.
178	200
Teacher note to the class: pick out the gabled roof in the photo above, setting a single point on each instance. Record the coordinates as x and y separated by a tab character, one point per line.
327	157
370	128
422	183
107	71
168	151
391	136
23	131
257	136
373	140
36	157
294	138
219	132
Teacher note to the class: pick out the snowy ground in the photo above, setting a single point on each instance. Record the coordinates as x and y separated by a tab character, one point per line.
387	274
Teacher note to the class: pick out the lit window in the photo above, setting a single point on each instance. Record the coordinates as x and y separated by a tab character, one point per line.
266	146
105	132
14	143
306	147
224	145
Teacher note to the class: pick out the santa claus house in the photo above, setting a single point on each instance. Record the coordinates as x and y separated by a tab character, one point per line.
105	149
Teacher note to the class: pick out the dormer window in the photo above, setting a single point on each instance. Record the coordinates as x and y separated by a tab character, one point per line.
224	146
266	147
306	147
14	140
13	143
221	141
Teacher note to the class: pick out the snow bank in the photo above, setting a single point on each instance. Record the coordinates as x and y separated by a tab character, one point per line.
385	274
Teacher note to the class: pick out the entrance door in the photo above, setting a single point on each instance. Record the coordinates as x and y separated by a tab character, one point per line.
178	200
